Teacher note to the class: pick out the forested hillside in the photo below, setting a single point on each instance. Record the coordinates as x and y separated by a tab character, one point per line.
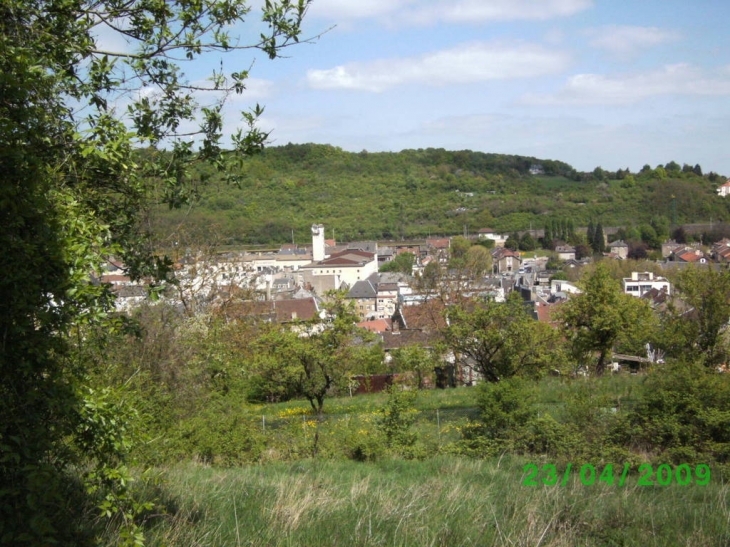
415	193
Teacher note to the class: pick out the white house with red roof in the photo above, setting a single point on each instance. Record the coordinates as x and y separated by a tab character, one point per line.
724	190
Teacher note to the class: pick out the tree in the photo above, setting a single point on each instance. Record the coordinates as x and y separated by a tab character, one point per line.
457	251
601	316
416	359
697	320
548	237
599	242
402	263
478	262
312	357
513	242
501	339
591	233
527	242
75	187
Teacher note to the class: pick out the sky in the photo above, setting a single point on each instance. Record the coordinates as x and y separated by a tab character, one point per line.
609	83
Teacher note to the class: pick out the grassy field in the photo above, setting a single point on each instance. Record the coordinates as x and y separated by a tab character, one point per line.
441	501
289	498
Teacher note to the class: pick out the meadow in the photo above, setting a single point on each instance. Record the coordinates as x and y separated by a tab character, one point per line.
430	494
441	501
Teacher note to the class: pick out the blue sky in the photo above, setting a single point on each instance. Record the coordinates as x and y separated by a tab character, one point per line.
610	83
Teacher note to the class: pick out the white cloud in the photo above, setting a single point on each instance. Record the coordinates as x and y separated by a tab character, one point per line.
353	9
110	40
464	64
593	89
627	40
458	11
470	11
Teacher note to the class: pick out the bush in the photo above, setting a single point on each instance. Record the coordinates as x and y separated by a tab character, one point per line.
397	417
506	406
684	411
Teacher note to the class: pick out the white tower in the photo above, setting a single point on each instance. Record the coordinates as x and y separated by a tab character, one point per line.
317	242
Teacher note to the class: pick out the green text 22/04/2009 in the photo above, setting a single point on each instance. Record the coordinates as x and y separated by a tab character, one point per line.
664	474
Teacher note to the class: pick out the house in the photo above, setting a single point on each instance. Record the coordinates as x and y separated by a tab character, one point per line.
687	255
274	311
565	252
724	190
505	260
641	283
439	248
377	296
387	299
721	250
365	296
619	248
128	296
564	287
427	317
670	246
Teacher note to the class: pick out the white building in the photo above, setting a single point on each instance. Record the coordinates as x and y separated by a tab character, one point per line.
724	190
348	266
330	272
642	282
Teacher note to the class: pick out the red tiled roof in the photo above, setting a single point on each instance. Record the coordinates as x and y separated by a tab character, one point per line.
545	313
427	316
439	243
282	310
689	256
378	325
291	310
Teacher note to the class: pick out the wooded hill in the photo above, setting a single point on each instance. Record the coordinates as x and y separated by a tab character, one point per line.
416	193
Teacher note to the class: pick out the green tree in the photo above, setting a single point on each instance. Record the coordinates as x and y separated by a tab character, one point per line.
697	320
527	242
513	242
416	359
402	263
548	236
598	243
601	317
72	195
494	336
312	356
478	262
457	251
591	233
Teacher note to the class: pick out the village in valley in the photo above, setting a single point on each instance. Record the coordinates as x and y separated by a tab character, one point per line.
288	285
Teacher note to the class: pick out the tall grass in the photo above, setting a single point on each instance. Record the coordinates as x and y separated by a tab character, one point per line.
438	502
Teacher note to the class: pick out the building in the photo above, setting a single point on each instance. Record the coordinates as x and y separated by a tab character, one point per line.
565	252
724	190
619	248
505	260
488	233
642	282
